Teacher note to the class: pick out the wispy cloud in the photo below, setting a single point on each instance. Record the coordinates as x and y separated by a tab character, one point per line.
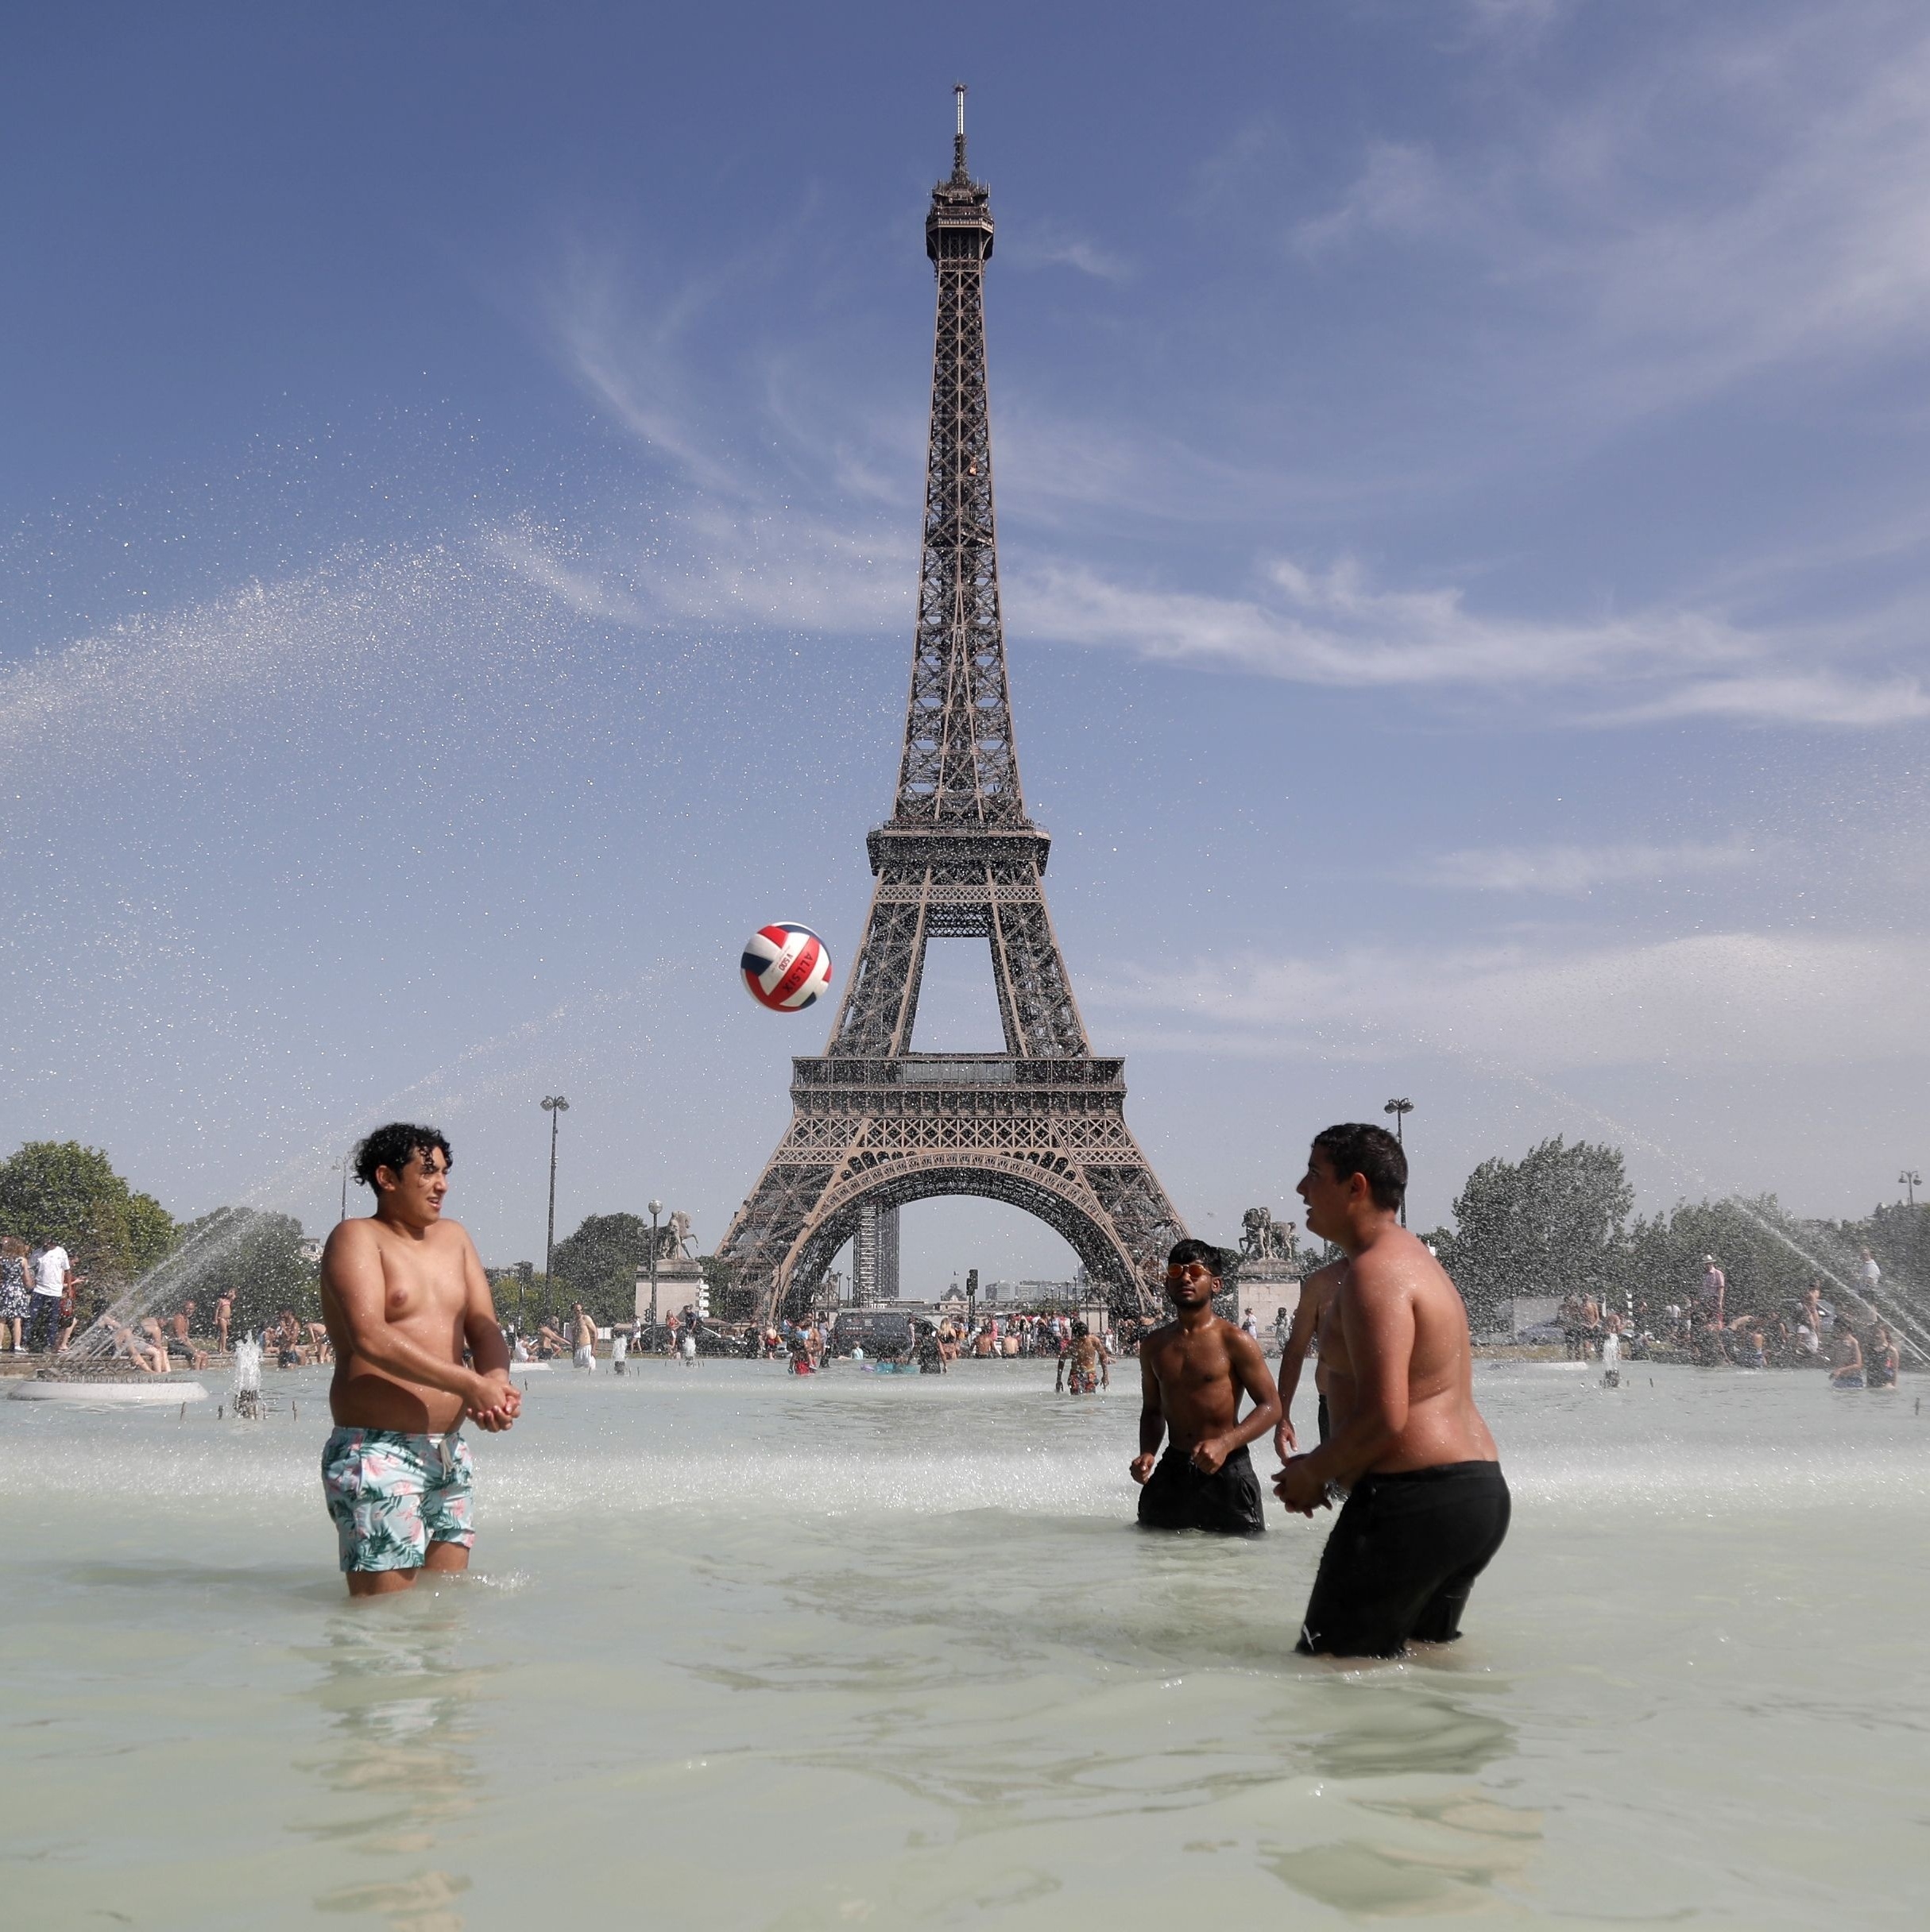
1762	199
1046	246
1402	190
1572	871
783	505
1335	626
1732	997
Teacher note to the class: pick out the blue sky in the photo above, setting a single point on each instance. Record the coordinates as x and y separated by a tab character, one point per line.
1460	473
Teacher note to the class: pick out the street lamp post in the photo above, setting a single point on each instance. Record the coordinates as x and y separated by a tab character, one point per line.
555	1105
656	1208
1400	1110
1911	1180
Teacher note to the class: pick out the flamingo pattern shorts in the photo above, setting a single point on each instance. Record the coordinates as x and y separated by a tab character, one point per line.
392	1494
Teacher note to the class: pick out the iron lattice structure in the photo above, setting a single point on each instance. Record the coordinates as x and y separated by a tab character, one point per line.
1042	1124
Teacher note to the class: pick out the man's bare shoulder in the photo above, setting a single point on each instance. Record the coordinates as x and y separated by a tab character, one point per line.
354	1236
1398	1263
1159	1339
1321	1285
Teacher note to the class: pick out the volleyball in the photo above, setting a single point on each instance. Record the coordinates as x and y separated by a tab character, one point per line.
786	967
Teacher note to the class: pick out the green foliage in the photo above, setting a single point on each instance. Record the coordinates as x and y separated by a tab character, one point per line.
597	1264
1549	1224
251	1253
1762	1251
1899	1237
60	1191
525	1298
731	1299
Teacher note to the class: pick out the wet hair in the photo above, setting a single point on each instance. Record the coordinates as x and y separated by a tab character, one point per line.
391	1145
1078	1328
1356	1147
1192	1250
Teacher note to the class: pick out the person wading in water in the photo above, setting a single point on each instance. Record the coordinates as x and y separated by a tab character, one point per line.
405	1294
1193	1373
1427	1507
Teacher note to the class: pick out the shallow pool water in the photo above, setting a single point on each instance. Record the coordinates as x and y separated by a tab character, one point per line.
741	1650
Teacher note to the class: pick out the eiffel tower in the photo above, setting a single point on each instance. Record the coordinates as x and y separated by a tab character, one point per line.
874	1126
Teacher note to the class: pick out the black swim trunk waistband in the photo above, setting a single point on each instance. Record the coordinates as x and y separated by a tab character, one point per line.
1438	1472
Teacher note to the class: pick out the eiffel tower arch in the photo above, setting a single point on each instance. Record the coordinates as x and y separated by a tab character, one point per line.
875	1125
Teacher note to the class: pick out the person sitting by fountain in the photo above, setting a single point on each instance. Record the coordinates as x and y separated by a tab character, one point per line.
180	1340
1881	1361
405	1294
1193	1373
1086	1366
1747	1348
148	1360
285	1338
549	1342
1428	1507
1846	1355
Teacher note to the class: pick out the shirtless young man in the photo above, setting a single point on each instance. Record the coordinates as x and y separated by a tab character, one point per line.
1090	1363
583	1332
404	1294
1316	1294
1427	1508
1193	1373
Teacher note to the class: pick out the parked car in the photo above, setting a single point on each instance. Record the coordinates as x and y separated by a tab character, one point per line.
879	1332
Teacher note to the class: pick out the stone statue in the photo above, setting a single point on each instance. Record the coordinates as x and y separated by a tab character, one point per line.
674	1236
1262	1238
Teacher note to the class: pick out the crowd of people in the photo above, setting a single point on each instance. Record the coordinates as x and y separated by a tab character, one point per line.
39	1296
40	1311
1855	1345
927	1343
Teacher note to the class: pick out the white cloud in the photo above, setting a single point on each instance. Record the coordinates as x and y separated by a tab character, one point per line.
777	514
1572	871
1761	198
1048	247
1334	626
1714	999
1402	189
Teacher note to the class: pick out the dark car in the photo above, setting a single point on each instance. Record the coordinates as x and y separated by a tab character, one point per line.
878	1331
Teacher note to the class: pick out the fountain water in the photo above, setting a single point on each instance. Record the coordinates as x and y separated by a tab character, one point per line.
246	1389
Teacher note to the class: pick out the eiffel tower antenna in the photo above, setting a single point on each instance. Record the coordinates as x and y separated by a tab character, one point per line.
874	1125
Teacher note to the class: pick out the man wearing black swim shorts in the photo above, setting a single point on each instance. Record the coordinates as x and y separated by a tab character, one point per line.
1426	1504
1193	1373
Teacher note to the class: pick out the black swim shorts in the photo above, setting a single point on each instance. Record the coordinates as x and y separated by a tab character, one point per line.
1176	1496
1402	1559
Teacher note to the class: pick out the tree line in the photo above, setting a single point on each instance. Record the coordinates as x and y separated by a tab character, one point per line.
1560	1220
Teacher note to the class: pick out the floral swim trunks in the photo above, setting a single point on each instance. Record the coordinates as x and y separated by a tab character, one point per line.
393	1495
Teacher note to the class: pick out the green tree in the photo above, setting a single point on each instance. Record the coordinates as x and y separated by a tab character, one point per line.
60	1191
1549	1224
597	1264
731	1299
525	1298
254	1255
